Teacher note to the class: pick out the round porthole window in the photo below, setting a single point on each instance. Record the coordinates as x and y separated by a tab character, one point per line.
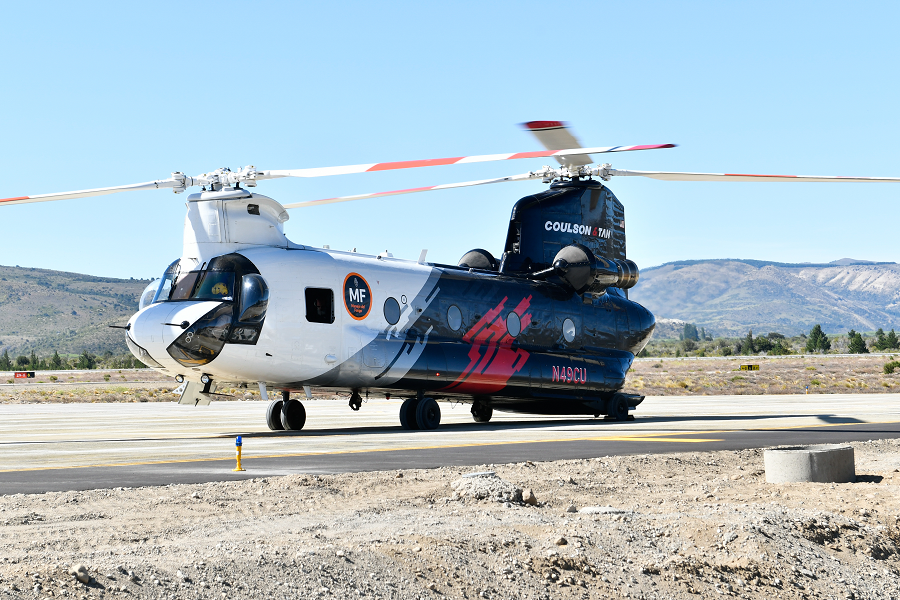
513	324
569	330
391	311
454	318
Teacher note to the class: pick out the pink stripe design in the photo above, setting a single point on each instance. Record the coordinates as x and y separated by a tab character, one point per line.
409	164
14	199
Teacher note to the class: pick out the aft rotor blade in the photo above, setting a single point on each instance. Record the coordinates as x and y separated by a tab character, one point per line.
739	177
555	135
446	186
134	187
456	160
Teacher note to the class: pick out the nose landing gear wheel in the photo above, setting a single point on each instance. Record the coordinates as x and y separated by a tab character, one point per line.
481	412
408	413
355	401
273	415
293	415
428	414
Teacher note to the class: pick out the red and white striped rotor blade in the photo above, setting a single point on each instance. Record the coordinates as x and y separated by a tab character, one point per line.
741	177
150	185
457	160
554	135
446	186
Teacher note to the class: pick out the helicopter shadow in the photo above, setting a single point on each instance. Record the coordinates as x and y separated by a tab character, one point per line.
587	425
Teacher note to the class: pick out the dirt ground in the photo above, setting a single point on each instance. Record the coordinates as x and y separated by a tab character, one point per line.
661	526
823	374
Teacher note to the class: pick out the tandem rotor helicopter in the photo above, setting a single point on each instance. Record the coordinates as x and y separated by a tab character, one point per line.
546	328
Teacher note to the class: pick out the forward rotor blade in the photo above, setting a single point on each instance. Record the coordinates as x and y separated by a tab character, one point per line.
150	185
446	186
739	177
457	160
556	135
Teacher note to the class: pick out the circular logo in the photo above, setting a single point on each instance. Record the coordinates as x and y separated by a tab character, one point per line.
357	296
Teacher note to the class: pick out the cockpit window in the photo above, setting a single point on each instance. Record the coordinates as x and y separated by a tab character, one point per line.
214	285
165	284
184	285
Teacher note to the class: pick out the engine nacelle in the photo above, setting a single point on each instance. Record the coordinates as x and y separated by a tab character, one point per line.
586	273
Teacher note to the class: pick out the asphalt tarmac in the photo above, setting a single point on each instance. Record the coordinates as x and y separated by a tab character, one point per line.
55	447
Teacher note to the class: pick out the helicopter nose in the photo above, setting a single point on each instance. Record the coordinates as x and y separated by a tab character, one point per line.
158	325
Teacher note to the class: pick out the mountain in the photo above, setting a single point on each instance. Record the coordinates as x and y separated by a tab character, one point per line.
45	310
730	296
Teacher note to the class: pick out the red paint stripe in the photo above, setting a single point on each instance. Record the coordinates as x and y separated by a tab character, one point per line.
410	164
543	124
410	190
537	154
650	146
13	199
751	175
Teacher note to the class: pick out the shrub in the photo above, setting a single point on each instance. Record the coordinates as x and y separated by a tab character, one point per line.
889	367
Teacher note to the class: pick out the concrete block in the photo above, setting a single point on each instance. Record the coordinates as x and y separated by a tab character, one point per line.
825	463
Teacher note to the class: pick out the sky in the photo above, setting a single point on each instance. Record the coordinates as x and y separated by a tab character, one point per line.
100	94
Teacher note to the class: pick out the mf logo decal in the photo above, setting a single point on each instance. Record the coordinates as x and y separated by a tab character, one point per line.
357	296
579	229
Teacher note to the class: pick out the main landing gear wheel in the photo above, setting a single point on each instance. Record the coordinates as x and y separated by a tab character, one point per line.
273	415
618	408
408	413
428	414
481	412
293	415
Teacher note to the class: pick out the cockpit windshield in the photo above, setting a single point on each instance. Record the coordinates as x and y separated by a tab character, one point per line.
204	285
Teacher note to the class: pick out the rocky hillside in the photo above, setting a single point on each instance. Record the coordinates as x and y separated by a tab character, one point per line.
728	297
45	310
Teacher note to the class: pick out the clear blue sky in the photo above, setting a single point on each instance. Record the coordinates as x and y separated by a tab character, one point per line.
100	94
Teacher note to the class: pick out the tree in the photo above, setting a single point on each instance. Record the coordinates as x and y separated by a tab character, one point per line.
688	344
857	343
817	340
33	361
55	362
86	361
748	347
22	361
690	332
5	363
762	344
880	340
891	341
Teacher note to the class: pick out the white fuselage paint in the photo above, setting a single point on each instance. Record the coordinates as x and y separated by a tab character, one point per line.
292	349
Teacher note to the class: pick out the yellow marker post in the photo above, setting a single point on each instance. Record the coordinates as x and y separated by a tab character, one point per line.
237	444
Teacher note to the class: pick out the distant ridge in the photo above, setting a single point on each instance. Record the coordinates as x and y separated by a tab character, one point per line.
47	311
843	262
730	296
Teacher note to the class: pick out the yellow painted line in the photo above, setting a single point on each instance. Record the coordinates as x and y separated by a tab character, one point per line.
653	437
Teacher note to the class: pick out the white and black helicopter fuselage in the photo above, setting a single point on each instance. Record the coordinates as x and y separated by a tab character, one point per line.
245	305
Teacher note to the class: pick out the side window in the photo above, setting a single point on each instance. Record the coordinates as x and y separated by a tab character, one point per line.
319	305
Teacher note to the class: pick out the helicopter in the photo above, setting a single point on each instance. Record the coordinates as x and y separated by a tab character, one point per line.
546	328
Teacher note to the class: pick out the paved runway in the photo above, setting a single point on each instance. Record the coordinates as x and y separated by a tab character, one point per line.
83	446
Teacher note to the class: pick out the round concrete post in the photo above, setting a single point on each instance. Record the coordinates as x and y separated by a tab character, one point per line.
826	463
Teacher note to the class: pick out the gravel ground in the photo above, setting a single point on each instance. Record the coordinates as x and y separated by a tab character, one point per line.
660	526
823	374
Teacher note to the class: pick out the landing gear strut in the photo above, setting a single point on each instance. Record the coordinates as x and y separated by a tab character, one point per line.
355	400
